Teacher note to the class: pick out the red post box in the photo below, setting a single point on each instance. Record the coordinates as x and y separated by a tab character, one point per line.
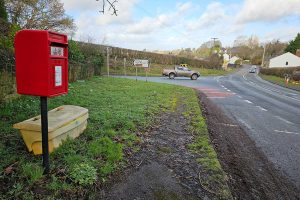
41	63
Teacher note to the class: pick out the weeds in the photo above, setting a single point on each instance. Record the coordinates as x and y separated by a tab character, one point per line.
105	147
83	174
32	172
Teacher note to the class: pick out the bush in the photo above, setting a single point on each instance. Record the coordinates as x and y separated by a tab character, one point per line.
7	40
238	62
296	76
281	72
75	54
6	85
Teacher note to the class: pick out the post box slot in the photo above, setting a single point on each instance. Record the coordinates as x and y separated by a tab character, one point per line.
57	38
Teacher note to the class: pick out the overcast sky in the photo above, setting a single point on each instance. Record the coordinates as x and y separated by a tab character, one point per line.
172	24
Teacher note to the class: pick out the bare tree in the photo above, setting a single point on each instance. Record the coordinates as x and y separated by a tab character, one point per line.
112	7
39	14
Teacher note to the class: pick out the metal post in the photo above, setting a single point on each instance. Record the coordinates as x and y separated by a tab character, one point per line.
107	58
125	66
135	73
146	75
263	57
45	145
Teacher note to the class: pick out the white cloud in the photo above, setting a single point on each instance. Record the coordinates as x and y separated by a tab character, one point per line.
89	10
80	5
214	13
284	34
182	25
184	7
267	10
149	24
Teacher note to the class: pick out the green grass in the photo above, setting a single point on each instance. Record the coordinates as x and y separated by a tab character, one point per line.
281	81
118	108
32	172
156	70
212	176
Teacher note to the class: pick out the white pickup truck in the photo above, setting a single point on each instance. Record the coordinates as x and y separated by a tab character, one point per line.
180	71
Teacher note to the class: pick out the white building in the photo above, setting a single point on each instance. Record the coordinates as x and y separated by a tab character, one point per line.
285	60
226	57
233	60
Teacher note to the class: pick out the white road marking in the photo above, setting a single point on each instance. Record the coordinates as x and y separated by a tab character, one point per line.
272	91
261	108
248	101
286	132
286	121
239	96
245	77
228	90
222	86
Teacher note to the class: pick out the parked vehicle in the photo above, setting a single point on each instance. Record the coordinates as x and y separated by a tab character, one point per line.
180	71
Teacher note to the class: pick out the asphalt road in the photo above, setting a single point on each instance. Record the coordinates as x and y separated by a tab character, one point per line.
269	113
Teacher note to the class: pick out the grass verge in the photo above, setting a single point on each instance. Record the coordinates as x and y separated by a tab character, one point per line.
211	177
118	108
280	81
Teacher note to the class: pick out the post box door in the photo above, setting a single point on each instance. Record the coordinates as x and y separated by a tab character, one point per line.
58	76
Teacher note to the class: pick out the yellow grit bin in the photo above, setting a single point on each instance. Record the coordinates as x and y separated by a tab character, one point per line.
63	122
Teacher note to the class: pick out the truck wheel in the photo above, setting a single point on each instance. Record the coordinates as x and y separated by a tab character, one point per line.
194	77
171	76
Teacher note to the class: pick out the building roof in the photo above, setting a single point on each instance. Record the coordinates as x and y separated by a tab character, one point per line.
287	54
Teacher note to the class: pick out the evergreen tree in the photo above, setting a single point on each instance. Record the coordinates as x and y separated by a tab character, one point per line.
3	13
293	45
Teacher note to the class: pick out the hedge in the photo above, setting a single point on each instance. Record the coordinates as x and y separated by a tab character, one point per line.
293	72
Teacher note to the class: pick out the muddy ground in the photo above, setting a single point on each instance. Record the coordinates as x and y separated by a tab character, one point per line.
251	175
165	169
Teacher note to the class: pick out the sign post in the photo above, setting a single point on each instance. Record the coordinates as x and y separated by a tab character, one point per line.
125	66
141	63
40	72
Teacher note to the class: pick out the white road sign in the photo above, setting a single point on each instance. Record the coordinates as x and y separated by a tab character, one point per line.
141	63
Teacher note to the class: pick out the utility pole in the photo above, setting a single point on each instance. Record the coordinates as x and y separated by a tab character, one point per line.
263	57
214	39
107	60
